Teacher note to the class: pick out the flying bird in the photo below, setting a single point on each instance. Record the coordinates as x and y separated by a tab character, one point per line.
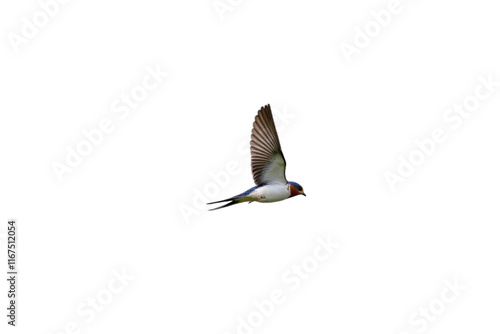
268	166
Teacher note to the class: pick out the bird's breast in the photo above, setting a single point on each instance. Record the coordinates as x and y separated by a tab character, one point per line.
272	192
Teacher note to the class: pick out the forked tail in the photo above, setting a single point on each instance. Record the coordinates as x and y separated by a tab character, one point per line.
243	197
232	201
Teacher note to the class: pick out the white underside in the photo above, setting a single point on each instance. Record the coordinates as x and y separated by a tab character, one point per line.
270	193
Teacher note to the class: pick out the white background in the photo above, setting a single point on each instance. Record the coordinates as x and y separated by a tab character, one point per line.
121	207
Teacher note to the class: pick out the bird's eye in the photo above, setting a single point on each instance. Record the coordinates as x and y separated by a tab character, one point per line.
299	188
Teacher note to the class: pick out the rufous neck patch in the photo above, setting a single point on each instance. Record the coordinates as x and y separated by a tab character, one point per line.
293	191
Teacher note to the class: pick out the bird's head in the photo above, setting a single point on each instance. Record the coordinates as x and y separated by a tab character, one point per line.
296	189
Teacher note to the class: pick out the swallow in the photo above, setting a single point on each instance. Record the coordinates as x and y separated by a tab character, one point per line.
268	166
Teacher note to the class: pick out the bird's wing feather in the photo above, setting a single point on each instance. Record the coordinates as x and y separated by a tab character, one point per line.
268	162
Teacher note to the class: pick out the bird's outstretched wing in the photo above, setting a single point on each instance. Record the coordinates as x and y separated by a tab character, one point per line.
268	162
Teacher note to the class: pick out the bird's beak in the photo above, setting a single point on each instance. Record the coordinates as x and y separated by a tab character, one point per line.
304	194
